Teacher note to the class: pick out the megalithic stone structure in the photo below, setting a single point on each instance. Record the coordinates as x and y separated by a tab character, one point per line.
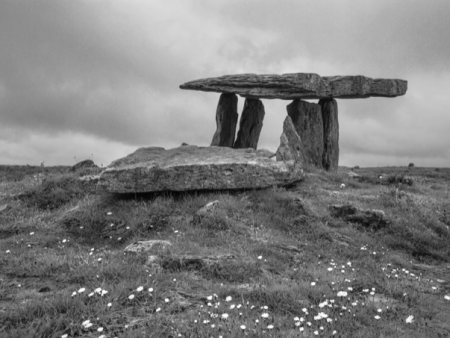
305	116
226	120
330	157
307	120
250	124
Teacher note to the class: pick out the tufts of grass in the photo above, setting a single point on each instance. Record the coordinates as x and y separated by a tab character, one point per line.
54	192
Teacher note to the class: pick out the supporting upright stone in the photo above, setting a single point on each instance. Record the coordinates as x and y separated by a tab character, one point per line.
226	120
291	147
330	158
250	124
307	120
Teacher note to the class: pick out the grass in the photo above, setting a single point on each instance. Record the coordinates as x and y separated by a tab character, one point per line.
266	263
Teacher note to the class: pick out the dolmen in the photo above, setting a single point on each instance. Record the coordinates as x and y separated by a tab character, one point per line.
316	123
310	136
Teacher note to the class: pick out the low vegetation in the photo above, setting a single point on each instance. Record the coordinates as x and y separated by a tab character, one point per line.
266	263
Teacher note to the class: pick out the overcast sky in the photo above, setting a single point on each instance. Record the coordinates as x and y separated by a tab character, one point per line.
81	79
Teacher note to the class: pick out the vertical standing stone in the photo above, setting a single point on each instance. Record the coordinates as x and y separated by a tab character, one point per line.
330	157
291	147
307	120
226	120
250	124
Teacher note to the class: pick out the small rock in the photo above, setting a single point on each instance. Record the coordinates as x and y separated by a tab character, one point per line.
154	246
353	174
207	208
4	207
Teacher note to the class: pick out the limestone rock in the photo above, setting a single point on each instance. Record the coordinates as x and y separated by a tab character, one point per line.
265	153
4	208
352	87
375	219
153	246
299	86
307	119
291	145
226	120
330	157
207	208
86	164
196	168
250	124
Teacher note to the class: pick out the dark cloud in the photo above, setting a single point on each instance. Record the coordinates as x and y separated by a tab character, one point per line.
110	71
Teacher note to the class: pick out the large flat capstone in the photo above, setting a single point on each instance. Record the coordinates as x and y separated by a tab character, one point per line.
196	168
300	86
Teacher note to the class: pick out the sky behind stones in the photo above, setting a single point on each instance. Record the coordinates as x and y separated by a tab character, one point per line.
99	79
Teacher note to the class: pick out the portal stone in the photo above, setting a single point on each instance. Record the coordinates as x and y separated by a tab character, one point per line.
250	124
291	146
226	120
330	158
307	119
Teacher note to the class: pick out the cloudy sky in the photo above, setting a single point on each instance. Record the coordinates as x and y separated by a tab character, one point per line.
97	78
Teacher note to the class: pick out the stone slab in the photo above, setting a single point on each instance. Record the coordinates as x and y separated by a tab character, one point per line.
226	120
299	86
196	168
250	124
307	119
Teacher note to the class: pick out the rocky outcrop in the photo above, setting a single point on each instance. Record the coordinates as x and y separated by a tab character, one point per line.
196	168
374	219
86	164
291	146
226	120
307	119
299	86
250	124
330	157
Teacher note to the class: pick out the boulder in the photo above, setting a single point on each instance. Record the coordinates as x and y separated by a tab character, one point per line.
307	120
86	164
196	168
330	156
299	86
250	124
226	120
291	146
374	219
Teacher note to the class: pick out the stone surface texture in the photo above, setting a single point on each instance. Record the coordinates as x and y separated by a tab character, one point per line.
300	86
330	158
196	168
226	120
375	219
83	165
250	124
155	246
307	120
291	146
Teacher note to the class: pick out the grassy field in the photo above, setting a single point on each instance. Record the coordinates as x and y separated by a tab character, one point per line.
280	262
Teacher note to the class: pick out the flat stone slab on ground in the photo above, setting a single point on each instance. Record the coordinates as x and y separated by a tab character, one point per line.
300	86
196	168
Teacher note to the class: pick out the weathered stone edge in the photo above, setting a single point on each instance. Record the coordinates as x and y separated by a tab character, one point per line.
286	86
